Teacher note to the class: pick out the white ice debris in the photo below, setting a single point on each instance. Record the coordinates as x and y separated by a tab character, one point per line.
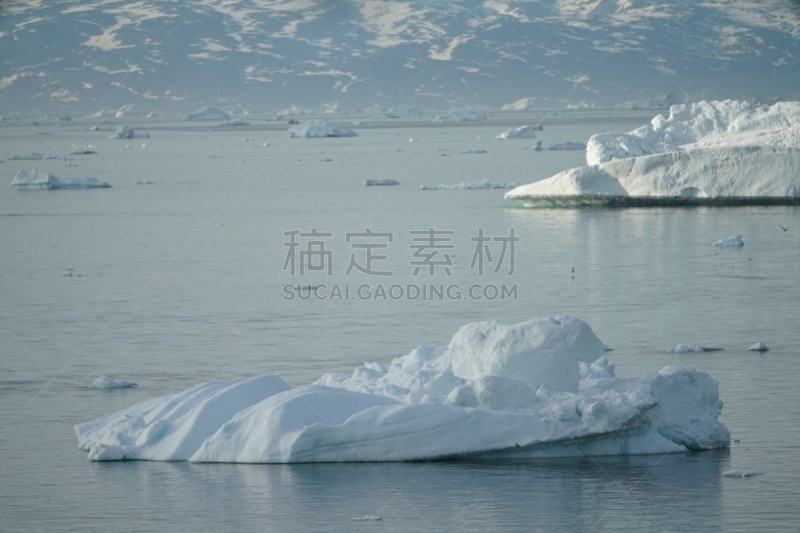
703	153
124	132
540	388
108	382
319	128
375	182
733	240
33	179
759	347
485	184
522	132
686	347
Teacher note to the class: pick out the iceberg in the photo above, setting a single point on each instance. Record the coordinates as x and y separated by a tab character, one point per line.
746	175
522	132
685	347
741	473
124	132
33	179
759	347
541	388
732	241
108	382
319	128
703	124
708	153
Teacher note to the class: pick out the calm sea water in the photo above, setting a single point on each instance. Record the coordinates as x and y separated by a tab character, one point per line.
182	281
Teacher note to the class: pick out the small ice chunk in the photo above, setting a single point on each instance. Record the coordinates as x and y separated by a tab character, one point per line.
685	347
733	240
367	518
741	473
108	382
374	182
759	347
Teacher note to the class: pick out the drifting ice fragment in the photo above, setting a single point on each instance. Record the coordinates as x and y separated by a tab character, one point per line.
108	382
733	240
759	347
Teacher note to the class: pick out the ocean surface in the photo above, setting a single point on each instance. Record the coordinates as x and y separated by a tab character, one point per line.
185	271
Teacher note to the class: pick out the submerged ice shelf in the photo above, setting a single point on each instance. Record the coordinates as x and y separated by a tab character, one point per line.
540	388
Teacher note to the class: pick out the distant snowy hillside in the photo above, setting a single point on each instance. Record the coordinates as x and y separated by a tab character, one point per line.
250	55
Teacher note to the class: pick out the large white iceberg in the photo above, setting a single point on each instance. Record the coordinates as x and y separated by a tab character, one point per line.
703	125
706	153
33	179
319	128
541	388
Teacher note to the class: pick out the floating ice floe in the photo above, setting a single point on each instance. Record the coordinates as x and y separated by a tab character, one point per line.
759	347
33	179
540	388
522	132
469	185
124	132
685	347
108	382
741	473
374	182
733	240
319	128
473	151
709	153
